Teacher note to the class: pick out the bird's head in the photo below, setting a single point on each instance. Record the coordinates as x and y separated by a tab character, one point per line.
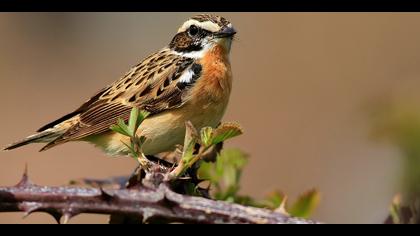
201	33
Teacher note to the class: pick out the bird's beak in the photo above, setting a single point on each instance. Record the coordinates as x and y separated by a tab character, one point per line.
226	32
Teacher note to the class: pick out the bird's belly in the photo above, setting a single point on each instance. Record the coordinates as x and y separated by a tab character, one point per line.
164	131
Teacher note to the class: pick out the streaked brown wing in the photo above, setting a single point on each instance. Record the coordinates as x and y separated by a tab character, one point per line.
153	88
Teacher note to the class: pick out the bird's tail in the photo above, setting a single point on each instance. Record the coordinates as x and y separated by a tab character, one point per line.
45	136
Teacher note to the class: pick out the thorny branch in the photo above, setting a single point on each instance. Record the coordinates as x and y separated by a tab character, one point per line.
151	203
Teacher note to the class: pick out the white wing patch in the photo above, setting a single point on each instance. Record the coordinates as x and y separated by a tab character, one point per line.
187	77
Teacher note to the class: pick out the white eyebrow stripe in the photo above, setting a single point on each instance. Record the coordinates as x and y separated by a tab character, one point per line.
207	25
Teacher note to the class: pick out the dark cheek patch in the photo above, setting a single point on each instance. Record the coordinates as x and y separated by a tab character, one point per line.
182	42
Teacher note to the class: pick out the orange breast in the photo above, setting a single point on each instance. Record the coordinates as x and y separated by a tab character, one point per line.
215	82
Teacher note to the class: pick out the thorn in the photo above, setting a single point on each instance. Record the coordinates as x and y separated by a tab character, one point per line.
25	182
56	215
146	215
26	214
106	195
66	218
25	171
282	208
30	208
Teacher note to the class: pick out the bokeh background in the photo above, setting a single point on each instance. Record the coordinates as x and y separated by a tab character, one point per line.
303	85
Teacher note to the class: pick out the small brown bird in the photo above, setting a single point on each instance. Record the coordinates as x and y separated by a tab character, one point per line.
189	80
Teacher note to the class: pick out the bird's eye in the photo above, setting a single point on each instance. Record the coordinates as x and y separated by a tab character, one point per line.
193	30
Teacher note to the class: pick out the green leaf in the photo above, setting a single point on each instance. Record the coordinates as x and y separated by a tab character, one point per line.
136	118
132	122
117	129
142	116
121	128
225	173
121	123
206	171
233	157
206	136
306	204
226	131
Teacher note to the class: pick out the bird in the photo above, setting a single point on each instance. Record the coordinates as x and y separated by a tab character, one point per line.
188	80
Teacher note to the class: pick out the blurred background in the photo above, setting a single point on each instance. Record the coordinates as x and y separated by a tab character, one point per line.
305	88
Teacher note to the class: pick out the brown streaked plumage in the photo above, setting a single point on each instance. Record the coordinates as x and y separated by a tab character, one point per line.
188	80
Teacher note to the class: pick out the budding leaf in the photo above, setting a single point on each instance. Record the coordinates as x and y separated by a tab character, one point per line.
207	136
226	131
